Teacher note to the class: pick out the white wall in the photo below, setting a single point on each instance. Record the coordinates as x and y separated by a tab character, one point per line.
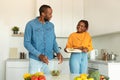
12	12
110	42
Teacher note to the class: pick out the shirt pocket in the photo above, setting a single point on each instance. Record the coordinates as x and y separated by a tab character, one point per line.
38	32
49	30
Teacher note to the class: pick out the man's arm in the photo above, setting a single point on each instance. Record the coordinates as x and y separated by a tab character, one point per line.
57	50
27	41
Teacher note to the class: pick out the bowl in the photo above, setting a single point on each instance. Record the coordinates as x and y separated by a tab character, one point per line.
55	72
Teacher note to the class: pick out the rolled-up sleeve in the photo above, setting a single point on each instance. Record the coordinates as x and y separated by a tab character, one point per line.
27	41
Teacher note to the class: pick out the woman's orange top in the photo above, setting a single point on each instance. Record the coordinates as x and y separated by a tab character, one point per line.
76	40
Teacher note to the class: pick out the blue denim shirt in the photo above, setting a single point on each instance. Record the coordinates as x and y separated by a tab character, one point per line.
40	38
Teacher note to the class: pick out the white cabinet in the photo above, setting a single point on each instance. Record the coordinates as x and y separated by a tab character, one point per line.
15	69
66	14
103	16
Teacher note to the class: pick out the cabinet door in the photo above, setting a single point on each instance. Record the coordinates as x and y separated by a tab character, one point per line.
57	16
15	73
78	13
16	69
103	69
67	17
100	16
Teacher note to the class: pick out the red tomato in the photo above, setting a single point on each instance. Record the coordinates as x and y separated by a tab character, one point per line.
34	78
41	77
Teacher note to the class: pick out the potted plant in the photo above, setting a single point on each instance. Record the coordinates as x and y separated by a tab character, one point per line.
15	30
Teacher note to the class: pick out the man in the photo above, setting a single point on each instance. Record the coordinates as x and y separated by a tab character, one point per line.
40	41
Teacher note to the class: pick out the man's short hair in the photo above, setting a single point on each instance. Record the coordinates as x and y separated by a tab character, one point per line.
43	8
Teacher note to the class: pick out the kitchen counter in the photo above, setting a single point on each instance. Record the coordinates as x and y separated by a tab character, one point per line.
104	62
17	59
62	77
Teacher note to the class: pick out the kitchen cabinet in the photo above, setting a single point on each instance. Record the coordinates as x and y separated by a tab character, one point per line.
100	13
66	14
15	68
107	68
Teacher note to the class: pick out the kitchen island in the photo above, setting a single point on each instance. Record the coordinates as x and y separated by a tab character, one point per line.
62	77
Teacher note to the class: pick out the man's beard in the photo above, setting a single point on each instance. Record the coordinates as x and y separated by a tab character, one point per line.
46	19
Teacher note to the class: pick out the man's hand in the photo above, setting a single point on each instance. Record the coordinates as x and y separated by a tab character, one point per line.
65	50
43	58
60	58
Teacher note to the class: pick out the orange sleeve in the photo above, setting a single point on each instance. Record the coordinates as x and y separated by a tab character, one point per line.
90	47
69	42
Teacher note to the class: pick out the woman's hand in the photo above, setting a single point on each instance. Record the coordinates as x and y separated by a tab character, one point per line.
85	49
81	48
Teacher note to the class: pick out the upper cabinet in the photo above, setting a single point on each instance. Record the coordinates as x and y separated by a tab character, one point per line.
66	14
103	16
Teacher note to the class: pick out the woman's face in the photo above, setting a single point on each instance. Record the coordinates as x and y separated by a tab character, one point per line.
81	27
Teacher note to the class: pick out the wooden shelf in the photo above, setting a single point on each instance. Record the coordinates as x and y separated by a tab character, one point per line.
17	35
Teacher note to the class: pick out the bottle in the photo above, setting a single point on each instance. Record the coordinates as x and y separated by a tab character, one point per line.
21	55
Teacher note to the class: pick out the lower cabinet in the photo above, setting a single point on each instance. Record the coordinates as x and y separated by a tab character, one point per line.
15	68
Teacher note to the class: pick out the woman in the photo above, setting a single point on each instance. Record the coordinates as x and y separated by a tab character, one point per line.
79	40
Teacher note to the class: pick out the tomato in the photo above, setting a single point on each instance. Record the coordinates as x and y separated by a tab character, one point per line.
34	78
41	77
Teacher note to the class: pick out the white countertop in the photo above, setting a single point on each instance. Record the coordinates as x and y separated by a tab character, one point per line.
104	62
16	59
62	77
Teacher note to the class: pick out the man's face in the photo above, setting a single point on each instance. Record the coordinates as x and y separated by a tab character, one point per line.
81	27
48	14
